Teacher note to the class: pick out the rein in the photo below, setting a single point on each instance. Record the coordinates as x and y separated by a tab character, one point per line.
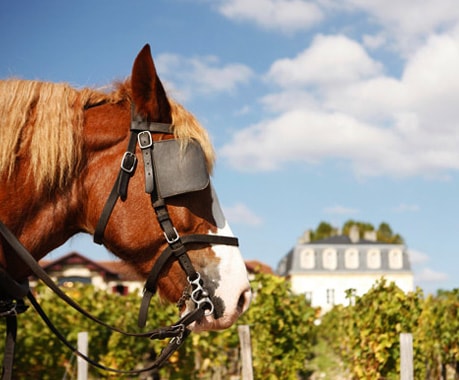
177	332
13	292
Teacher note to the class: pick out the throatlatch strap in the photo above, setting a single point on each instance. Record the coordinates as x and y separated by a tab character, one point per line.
119	189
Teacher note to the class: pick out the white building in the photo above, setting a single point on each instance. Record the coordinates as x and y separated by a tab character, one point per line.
323	270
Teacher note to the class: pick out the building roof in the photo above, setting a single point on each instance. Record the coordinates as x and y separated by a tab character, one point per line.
342	239
115	269
333	255
120	269
254	266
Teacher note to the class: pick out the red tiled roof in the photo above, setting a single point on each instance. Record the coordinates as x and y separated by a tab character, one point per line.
124	270
254	266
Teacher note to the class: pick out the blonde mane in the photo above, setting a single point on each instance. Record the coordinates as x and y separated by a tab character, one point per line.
44	122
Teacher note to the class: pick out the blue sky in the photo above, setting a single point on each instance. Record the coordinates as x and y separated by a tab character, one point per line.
319	110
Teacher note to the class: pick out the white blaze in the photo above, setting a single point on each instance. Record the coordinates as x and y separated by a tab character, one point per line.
233	281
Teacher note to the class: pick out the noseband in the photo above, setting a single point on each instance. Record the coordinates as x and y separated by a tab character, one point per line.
187	175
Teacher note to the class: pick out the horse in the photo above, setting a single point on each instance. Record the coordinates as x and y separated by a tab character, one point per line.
60	174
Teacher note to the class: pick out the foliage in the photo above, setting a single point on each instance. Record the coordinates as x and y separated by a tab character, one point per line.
366	333
323	231
438	333
362	226
384	232
282	328
282	332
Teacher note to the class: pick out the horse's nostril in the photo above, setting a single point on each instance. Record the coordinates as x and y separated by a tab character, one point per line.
244	301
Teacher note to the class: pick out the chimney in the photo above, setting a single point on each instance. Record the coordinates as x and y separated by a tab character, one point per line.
370	235
354	234
305	238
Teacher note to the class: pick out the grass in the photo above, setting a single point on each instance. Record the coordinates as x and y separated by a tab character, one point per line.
326	365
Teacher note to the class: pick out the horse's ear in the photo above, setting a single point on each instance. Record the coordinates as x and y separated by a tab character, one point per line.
147	90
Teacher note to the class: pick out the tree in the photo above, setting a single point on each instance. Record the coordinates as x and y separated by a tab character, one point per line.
384	232
323	231
385	235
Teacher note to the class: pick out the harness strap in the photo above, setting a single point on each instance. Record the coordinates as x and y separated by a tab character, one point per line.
128	165
9	287
10	343
178	332
119	189
146	145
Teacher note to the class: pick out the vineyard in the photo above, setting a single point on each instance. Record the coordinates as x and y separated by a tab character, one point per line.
363	335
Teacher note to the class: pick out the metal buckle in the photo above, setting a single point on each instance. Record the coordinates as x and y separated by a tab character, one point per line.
148	143
201	296
179	338
12	307
128	162
174	239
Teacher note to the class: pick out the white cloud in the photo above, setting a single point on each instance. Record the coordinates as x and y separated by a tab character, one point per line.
311	136
205	75
239	213
423	274
374	41
378	124
406	207
417	257
405	24
341	210
330	60
286	15
429	275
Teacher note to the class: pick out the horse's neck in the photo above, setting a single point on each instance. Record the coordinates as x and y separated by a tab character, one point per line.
44	220
41	222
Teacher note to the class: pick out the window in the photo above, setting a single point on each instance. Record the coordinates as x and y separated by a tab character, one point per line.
120	289
330	296
329	258
395	259
307	258
351	258
374	258
70	281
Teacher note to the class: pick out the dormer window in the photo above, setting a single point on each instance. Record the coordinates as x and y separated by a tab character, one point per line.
330	260
374	258
307	259
395	259
351	258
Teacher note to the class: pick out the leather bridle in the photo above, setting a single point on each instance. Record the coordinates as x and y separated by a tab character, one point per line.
141	133
13	292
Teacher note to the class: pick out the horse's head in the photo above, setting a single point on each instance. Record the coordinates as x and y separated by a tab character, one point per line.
133	231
